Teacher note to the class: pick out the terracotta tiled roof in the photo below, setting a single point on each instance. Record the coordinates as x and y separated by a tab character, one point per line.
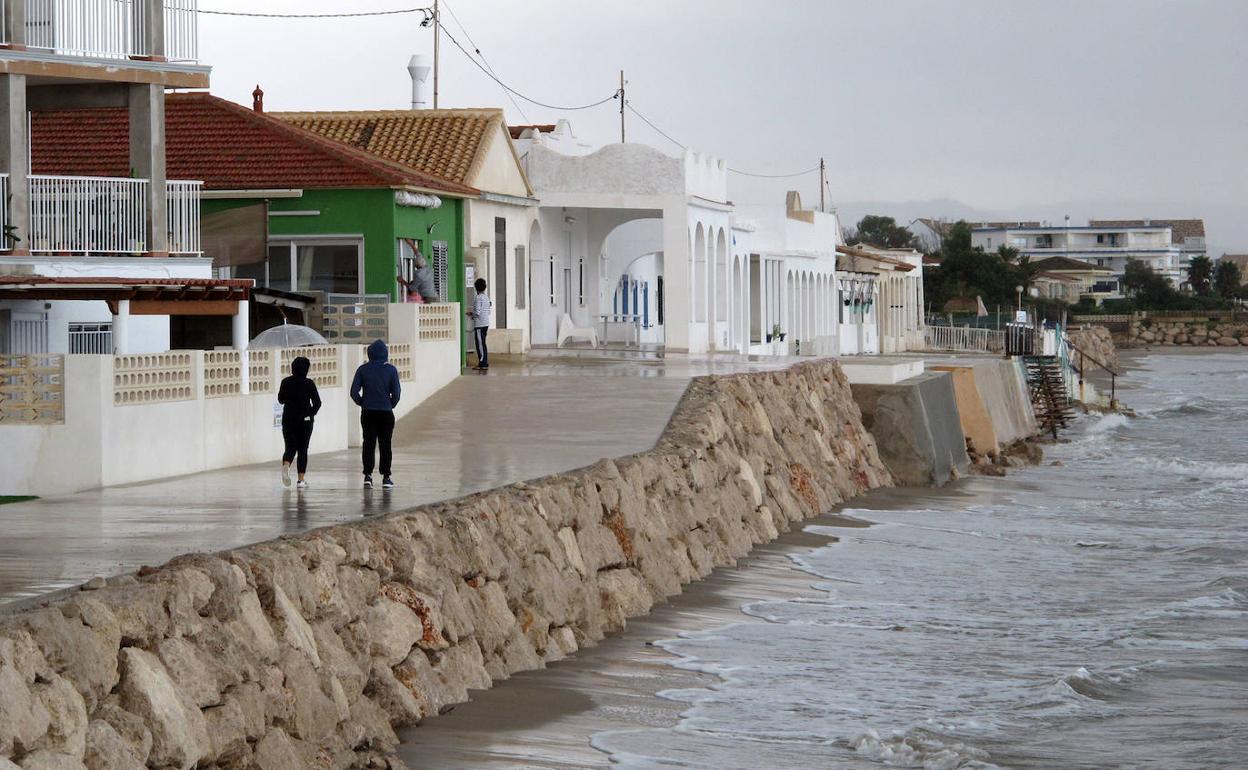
450	144
1180	229
1054	264
228	146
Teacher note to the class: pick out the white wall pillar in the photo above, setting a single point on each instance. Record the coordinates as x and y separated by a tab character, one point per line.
677	272
121	328
240	332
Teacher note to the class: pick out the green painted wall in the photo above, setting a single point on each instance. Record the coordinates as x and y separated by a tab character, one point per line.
370	213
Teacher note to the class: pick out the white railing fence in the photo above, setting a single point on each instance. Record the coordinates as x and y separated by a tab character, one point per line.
182	210
88	214
963	339
182	30
91	338
111	29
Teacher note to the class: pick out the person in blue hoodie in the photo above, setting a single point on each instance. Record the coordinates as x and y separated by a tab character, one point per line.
375	390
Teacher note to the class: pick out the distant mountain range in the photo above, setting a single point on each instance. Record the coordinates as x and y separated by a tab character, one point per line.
1226	225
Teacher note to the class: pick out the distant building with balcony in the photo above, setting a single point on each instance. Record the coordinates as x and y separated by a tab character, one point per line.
75	223
1103	244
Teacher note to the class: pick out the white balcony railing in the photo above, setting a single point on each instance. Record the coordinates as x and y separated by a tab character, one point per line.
108	215
83	214
111	29
182	211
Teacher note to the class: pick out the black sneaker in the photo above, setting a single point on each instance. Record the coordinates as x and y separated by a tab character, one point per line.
368	481
387	483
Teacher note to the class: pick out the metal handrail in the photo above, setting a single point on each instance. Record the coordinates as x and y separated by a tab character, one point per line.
1113	375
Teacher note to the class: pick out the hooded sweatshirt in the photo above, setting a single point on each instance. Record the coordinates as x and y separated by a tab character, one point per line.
376	383
298	394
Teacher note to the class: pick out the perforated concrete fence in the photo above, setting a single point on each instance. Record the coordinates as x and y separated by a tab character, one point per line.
401	357
32	390
154	378
324	359
436	321
223	371
260	370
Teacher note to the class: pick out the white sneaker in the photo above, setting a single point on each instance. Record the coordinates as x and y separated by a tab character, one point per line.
302	484
285	475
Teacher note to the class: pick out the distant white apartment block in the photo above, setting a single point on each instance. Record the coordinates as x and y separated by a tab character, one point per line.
1165	245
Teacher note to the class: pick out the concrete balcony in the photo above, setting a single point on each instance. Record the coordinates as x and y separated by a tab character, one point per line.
152	41
80	215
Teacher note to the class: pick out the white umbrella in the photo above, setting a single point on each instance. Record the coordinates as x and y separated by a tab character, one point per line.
288	336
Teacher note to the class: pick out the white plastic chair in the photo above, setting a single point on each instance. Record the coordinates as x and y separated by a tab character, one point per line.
569	330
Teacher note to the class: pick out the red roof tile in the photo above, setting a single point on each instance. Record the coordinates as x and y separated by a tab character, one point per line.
228	146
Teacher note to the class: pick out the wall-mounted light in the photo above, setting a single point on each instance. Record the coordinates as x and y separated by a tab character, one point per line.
571	220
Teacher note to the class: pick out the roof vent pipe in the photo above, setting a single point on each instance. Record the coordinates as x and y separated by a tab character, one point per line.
419	68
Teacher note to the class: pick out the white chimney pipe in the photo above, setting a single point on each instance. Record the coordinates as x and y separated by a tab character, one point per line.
419	68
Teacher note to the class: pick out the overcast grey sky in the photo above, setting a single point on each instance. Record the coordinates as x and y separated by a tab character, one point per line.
1109	107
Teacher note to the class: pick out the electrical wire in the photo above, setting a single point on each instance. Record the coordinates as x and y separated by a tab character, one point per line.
683	146
477	49
346	15
509	89
661	132
774	176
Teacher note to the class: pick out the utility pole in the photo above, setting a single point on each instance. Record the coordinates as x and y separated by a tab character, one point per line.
621	106
822	185
437	35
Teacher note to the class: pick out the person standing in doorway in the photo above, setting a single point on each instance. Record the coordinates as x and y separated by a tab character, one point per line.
375	390
480	315
300	402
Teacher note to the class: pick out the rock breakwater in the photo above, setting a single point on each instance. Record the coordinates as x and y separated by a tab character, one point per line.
1227	334
308	651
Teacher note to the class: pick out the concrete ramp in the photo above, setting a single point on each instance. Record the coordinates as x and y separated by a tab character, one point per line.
917	428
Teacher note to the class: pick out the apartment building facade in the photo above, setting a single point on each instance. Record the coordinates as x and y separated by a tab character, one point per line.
75	223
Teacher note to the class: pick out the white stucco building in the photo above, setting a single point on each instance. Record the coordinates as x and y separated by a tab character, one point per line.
789	284
629	240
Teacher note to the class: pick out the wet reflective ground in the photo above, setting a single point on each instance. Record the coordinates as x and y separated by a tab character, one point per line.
482	431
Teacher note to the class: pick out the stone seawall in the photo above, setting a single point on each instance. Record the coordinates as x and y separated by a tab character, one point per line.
1227	334
307	651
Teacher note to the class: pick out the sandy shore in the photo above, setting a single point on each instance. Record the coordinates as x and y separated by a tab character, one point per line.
546	718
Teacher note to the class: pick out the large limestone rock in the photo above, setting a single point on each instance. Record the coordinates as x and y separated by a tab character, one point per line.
179	730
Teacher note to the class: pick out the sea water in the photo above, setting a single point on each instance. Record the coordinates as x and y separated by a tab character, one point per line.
1092	614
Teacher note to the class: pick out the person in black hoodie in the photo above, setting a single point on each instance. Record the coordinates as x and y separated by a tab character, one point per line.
300	403
376	390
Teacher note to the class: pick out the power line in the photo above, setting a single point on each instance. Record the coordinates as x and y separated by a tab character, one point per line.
661	132
477	49
683	146
351	14
775	176
509	89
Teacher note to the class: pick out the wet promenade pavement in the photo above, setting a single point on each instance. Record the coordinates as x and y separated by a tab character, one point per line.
518	422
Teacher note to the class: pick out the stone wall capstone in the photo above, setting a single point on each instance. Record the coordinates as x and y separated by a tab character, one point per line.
309	650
